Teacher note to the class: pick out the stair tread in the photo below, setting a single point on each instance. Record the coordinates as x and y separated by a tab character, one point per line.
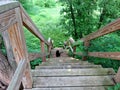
61	63
66	73
72	81
68	66
71	88
65	61
71	72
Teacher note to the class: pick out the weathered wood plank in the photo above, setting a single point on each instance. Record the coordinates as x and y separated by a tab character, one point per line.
43	50
28	23
63	58
8	5
86	45
10	55
6	71
113	26
68	67
117	76
16	79
72	88
33	56
27	79
7	19
111	55
16	42
73	72
72	81
65	61
63	64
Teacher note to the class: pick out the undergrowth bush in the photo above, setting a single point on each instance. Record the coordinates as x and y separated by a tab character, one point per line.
107	43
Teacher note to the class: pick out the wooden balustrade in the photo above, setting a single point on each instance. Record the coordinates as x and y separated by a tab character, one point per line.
12	19
112	27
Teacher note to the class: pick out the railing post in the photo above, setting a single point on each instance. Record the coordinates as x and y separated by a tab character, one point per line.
27	79
85	53
117	76
72	41
43	51
49	50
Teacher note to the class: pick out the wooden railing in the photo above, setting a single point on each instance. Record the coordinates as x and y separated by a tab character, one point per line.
12	19
112	27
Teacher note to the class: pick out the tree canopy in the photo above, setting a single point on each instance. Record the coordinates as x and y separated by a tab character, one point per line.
81	17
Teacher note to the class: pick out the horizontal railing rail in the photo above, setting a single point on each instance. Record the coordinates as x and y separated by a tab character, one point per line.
112	27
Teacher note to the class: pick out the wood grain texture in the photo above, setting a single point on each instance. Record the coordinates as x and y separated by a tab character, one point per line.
86	45
113	26
6	71
68	67
73	72
42	44
111	55
72	88
27	79
16	79
7	19
8	46
8	5
72	81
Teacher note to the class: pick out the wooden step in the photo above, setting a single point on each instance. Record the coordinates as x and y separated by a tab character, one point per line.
64	63
71	72
74	81
62	58
68	66
71	88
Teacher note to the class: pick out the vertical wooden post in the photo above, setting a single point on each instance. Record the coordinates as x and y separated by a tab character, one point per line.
117	76
27	79
10	55
43	51
49	50
74	49
72	41
86	45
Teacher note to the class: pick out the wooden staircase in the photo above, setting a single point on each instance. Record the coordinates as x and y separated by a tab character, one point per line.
67	73
57	73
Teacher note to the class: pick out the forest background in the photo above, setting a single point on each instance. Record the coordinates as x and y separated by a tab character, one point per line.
61	19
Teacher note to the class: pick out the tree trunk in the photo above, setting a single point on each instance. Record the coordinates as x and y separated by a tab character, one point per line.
73	18
101	18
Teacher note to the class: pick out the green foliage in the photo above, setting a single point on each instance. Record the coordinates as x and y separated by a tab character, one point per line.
35	63
26	4
45	3
107	43
47	21
89	15
116	87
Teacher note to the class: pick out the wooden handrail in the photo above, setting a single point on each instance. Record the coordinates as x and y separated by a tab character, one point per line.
8	5
33	56
112	27
28	23
12	18
17	78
